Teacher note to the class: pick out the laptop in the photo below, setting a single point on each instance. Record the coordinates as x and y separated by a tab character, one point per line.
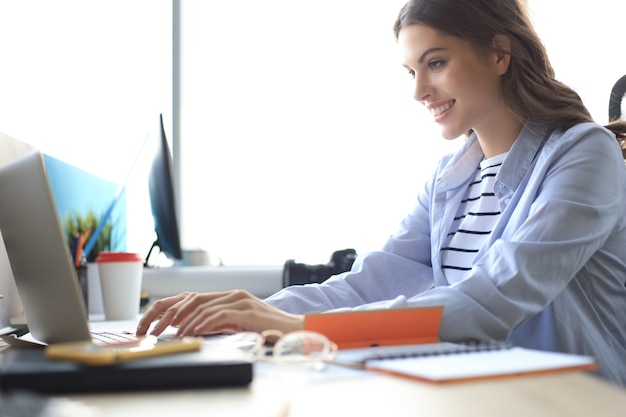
40	259
55	311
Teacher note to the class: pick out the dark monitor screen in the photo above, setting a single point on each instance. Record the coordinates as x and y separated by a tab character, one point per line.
163	200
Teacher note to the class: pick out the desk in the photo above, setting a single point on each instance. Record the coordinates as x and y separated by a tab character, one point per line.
364	394
339	391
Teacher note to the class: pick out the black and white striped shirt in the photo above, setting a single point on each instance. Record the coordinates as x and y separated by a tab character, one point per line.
474	221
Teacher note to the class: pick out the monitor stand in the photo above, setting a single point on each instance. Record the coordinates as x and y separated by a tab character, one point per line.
155	244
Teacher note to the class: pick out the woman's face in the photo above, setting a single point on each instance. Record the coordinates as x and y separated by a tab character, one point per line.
461	89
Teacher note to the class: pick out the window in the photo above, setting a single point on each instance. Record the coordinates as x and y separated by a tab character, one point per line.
84	81
299	134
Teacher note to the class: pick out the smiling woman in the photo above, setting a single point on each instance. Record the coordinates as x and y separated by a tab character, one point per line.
519	235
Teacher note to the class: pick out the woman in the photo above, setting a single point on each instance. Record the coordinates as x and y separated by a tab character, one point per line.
520	234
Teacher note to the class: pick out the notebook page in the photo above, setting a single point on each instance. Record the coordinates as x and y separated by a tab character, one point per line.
482	364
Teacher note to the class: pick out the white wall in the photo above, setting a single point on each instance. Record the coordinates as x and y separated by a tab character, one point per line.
585	42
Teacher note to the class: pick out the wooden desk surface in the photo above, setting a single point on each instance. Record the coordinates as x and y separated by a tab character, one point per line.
282	395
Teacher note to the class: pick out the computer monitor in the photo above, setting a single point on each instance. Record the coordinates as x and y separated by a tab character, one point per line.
163	200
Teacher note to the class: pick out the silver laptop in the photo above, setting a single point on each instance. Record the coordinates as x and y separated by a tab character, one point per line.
39	255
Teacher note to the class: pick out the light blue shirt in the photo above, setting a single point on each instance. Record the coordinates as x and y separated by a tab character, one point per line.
552	273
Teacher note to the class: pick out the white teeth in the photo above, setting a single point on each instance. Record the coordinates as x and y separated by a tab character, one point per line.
436	111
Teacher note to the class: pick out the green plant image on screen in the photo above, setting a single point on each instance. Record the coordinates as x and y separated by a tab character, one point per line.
79	228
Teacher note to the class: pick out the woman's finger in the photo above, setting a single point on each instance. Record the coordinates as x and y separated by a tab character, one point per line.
156	312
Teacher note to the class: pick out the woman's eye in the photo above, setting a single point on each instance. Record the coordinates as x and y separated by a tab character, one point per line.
412	73
436	64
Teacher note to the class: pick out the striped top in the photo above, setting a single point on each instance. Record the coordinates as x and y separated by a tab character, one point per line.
478	213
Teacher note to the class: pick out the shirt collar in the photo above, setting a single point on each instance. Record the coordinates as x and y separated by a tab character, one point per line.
523	153
460	168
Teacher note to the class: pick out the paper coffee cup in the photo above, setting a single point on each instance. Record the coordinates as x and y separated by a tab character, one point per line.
121	274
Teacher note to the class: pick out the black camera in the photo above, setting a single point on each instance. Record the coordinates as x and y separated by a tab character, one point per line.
297	273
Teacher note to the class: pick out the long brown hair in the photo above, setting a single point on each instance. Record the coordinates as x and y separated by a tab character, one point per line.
529	86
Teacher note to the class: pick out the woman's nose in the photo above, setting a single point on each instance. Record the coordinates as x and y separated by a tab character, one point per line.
422	88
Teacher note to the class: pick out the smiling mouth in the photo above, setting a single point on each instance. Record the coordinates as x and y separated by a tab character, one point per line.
439	110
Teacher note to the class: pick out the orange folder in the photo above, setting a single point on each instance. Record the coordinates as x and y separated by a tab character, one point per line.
388	327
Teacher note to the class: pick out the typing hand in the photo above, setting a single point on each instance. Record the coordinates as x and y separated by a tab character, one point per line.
220	312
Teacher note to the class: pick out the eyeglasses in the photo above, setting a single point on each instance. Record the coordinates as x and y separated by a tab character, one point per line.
302	349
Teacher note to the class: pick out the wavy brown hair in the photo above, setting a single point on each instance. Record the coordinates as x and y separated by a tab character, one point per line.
529	86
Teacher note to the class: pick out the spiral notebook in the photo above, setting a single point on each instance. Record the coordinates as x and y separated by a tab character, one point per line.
450	362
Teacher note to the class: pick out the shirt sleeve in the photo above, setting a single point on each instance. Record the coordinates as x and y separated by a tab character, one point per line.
566	215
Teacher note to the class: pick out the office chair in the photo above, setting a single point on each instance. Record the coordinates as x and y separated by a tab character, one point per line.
615	102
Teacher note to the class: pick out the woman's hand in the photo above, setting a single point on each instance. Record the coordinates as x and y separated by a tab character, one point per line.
209	313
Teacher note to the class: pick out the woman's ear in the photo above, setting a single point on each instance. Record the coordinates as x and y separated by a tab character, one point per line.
502	47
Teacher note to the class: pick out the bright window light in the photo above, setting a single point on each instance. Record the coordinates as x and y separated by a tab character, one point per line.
299	132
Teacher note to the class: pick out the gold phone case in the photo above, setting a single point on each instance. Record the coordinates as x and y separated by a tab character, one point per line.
105	354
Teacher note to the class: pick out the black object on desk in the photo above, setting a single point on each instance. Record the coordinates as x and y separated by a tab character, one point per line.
29	369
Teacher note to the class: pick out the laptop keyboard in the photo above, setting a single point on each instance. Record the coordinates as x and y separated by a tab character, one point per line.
103	338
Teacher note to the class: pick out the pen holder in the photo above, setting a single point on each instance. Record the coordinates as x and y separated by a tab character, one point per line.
83	284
